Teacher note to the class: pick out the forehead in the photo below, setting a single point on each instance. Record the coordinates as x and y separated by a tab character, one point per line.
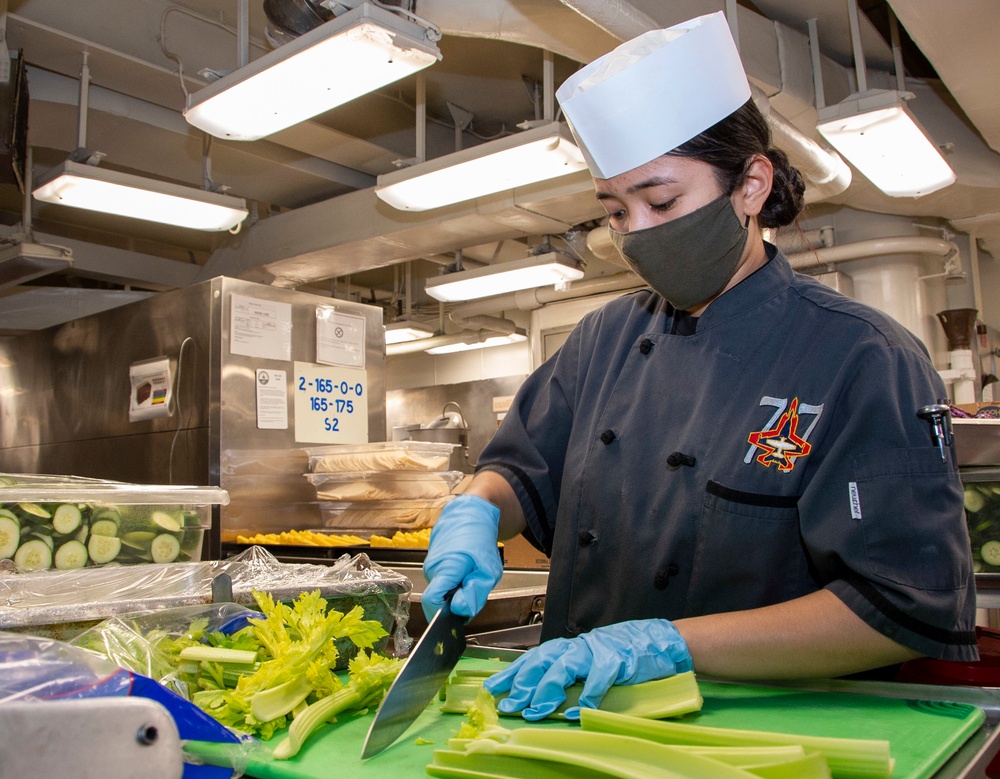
663	171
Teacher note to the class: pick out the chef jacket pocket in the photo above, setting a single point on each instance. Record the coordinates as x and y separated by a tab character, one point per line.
908	504
748	552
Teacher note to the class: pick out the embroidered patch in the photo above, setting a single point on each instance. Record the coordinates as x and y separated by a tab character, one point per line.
781	444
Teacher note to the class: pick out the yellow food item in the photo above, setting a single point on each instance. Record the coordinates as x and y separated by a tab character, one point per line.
415	539
302	538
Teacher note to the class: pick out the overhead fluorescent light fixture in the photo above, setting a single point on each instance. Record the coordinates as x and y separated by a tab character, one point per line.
352	54
23	262
405	330
879	135
543	270
122	194
527	157
486	343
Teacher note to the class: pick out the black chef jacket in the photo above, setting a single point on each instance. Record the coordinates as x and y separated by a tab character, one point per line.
773	452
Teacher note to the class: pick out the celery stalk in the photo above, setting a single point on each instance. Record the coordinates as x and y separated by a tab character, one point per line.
623	757
277	701
217	654
847	758
451	764
370	677
668	697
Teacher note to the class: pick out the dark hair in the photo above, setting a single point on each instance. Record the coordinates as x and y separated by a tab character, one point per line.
729	145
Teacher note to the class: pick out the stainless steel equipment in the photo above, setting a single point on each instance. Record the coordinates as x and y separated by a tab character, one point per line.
65	405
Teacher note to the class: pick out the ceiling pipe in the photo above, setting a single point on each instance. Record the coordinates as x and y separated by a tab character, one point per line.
881	247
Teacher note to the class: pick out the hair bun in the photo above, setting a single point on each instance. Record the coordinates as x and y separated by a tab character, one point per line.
787	196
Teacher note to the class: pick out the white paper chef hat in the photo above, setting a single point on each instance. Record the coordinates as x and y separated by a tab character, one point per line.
653	93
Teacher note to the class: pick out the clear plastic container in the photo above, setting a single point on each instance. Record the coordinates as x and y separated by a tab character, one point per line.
384	485
366	517
76	523
381	456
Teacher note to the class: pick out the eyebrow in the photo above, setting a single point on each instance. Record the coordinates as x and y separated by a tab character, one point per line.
656	181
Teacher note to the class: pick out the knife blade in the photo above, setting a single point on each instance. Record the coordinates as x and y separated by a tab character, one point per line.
422	675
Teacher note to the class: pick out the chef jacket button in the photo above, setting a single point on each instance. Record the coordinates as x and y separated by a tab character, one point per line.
677	459
662	578
586	538
645	346
608	436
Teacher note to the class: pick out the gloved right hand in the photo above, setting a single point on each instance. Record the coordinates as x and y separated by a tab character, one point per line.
462	553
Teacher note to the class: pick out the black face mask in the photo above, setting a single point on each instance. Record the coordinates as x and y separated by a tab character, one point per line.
690	259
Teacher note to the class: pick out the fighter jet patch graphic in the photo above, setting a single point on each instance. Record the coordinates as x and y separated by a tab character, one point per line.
781	445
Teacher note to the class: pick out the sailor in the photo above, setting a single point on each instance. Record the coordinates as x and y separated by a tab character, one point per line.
727	468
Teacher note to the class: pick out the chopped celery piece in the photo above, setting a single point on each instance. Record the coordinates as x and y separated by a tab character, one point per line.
217	654
668	697
847	758
617	756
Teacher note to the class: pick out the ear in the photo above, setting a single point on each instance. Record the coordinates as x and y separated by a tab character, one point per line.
756	186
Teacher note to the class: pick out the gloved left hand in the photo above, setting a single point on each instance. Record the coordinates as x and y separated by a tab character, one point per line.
622	653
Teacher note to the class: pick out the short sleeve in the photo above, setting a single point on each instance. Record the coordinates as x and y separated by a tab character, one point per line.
883	515
529	448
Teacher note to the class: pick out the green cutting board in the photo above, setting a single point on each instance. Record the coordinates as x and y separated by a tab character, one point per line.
922	734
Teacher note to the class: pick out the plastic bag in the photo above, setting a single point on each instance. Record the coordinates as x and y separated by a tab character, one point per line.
40	669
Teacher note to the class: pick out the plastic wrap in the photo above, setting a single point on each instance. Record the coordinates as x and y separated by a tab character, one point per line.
65	603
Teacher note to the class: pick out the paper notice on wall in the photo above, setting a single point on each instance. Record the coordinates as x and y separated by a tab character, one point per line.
340	338
260	328
272	400
330	404
150	393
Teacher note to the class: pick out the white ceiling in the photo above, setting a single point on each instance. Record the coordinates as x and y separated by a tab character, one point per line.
315	218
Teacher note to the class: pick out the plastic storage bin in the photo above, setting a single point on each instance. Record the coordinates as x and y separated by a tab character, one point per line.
67	523
381	456
384	485
982	514
366	517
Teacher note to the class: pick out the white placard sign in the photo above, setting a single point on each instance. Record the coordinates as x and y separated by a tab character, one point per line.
260	328
272	400
331	404
340	338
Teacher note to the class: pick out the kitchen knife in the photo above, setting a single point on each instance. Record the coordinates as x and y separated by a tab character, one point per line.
423	674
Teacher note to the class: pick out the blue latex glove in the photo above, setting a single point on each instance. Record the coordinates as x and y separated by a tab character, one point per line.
623	653
462	553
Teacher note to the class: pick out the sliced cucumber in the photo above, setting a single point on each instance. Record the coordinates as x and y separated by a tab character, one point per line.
990	552
35	510
45	538
139	539
81	534
7	481
974	499
33	555
166	521
10	514
109	514
10	537
71	555
103	549
66	518
104	527
165	548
